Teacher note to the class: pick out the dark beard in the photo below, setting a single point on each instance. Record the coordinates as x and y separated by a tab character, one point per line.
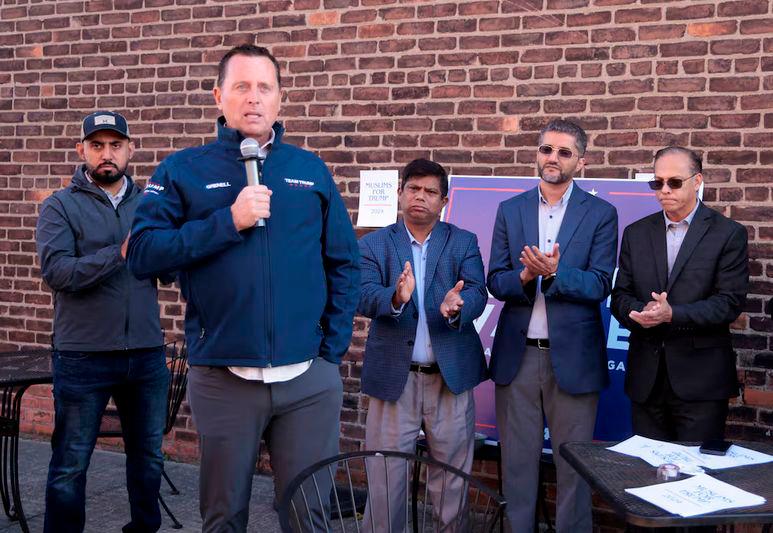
106	178
562	178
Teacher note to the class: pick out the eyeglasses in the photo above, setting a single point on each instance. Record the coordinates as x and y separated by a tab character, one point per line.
673	183
564	153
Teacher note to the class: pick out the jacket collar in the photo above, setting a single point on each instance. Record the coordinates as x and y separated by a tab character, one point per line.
81	183
232	138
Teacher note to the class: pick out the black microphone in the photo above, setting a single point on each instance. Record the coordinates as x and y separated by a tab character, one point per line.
253	163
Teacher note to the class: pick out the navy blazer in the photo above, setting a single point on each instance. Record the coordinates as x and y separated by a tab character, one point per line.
452	255
588	247
706	290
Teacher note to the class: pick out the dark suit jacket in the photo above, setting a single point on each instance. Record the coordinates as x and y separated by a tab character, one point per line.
452	255
706	289
588	246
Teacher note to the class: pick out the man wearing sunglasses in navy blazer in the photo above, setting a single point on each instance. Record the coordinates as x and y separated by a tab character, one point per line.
552	258
682	280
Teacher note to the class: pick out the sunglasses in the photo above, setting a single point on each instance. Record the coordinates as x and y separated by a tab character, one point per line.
673	183
563	153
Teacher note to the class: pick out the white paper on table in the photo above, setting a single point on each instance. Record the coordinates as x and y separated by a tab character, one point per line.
696	495
378	198
658	452
687	458
735	456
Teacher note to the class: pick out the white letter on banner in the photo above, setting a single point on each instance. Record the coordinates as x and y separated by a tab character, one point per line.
618	336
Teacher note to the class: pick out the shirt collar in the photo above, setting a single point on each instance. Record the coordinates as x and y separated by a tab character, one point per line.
117	195
413	239
266	148
687	219
564	199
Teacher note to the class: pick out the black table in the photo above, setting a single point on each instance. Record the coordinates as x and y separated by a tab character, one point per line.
610	473
18	371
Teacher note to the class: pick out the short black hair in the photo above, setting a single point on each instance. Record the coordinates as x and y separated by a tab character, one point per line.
419	168
246	50
696	163
564	126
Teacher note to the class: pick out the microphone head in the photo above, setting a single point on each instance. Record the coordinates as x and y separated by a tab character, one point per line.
250	147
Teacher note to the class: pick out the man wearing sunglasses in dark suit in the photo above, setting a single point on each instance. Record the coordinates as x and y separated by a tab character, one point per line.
682	280
552	258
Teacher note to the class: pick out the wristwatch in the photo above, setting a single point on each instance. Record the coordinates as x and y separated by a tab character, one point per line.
547	281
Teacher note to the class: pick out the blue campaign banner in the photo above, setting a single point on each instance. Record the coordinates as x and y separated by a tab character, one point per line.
472	205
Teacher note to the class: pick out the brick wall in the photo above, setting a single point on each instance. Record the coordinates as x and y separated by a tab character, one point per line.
376	83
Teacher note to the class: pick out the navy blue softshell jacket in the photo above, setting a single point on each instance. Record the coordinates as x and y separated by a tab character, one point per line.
271	296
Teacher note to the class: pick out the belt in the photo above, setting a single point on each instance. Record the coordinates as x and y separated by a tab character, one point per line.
425	369
542	344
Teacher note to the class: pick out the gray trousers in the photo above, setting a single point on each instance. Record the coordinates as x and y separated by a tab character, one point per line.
449	424
571	417
298	418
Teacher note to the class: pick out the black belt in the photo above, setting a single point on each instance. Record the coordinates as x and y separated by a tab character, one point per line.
542	344
425	369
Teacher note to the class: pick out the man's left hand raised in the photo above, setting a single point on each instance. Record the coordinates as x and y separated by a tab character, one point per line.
453	301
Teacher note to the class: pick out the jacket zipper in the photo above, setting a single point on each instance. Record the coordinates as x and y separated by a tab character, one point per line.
268	285
126	283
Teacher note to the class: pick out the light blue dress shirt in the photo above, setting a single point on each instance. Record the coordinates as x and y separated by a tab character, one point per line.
550	219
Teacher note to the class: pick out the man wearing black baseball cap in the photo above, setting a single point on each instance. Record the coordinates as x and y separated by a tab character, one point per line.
107	335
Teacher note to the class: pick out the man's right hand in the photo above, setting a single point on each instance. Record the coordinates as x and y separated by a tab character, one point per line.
125	245
252	204
404	287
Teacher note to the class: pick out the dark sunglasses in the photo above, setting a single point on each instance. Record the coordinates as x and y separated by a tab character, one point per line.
673	183
564	153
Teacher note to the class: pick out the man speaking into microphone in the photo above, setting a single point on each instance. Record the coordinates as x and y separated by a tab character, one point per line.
269	307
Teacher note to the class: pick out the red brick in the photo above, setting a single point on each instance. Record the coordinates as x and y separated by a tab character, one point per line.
732	157
734	84
761	101
754	175
630	157
627	16
634	122
538	22
566	37
685	49
753	26
631	86
613	105
613	35
698	11
634	51
710	29
589	19
735	46
681	85
564	106
587	54
743	7
583	87
715	138
519	107
541	55
735	121
661	31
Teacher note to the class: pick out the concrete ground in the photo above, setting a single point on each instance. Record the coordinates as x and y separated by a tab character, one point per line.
107	505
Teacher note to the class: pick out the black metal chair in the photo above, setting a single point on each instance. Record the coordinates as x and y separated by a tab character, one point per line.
480	509
177	362
492	451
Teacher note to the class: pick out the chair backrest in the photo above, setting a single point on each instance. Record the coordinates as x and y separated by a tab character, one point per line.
177	362
399	498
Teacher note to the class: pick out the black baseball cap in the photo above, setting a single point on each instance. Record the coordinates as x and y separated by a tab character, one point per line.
104	120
